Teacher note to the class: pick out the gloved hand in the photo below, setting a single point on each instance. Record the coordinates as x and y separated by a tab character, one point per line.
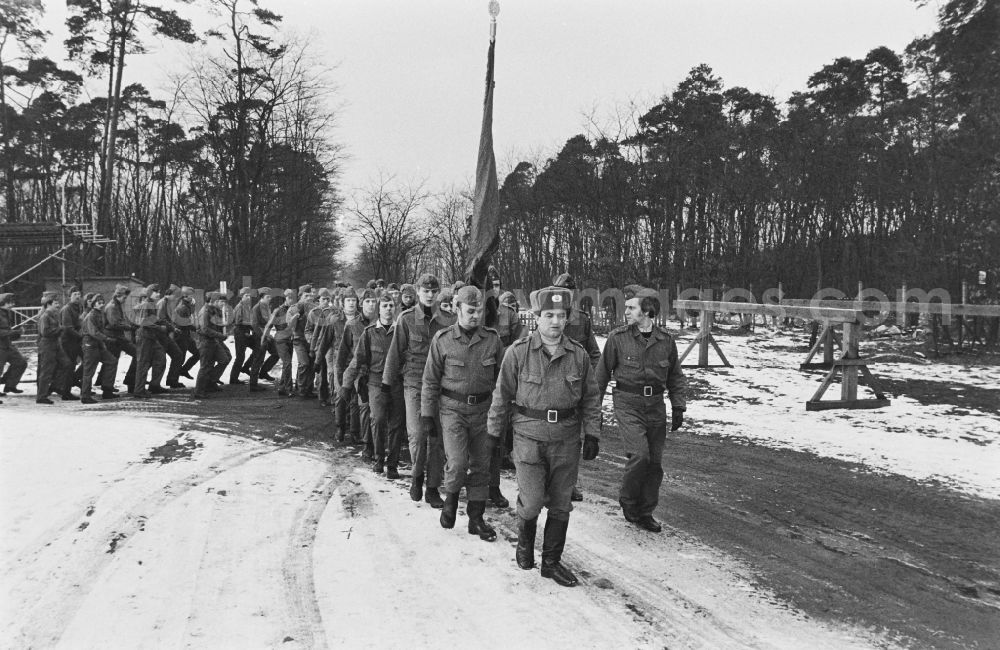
591	447
386	388
429	426
678	420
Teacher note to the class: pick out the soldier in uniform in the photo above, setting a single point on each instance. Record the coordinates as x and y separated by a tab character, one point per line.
407	296
642	359
458	381
260	315
321	320
212	350
71	337
509	327
387	410
121	329
407	356
298	321
579	328
352	402
183	317
242	330
168	339
548	390
10	356
151	354
95	351
53	364
282	341
446	301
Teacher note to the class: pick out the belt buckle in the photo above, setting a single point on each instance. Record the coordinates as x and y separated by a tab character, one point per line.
647	391
552	415
471	400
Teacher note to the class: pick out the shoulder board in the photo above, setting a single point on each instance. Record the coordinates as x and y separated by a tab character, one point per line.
369	326
577	344
491	329
520	341
408	310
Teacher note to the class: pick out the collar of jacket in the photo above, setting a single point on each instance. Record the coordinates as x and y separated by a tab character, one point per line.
535	342
658	333
457	333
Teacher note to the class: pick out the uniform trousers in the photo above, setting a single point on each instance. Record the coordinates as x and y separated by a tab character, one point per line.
15	370
642	422
466	448
304	373
426	454
184	338
116	347
546	474
94	353
54	368
284	349
151	355
214	357
388	419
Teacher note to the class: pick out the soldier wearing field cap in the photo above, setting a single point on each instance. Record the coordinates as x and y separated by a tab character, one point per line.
121	328
265	356
508	326
95	351
10	356
53	364
327	321
212	351
151	355
446	306
282	341
351	410
71	337
458	380
241	321
405	363
548	389
298	321
407	296
168	339
642	359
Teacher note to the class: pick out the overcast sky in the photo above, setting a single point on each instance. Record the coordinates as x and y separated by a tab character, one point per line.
411	72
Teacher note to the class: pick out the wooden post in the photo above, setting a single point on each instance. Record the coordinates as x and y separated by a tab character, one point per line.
861	288
704	334
961	318
828	343
849	382
901	309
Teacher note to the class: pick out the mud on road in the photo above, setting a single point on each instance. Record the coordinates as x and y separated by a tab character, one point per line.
913	563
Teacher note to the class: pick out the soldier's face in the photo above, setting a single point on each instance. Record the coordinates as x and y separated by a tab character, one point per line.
426	296
99	303
368	307
633	313
324	301
385	311
350	305
469	315
445	307
551	323
407	299
75	297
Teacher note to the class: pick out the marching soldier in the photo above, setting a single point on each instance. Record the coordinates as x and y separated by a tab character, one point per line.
183	318
321	320
53	364
150	352
509	327
121	329
415	328
642	359
95	351
458	381
351	410
164	316
242	330
446	310
260	316
387	409
298	321
71	337
282	341
212	351
547	388
10	356
407	296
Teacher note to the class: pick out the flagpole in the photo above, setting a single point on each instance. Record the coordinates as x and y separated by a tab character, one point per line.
494	12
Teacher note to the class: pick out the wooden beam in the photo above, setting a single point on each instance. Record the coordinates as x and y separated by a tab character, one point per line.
841	315
953	309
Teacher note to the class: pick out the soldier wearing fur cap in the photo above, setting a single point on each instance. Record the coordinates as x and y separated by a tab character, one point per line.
548	390
458	381
405	363
53	364
10	356
642	359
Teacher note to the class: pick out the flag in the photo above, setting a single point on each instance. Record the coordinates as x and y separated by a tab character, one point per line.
485	227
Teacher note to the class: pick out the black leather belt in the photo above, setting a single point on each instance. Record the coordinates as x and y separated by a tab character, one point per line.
549	415
647	390
471	400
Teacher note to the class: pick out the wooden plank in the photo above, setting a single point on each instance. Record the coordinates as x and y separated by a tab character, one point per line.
953	309
851	404
816	313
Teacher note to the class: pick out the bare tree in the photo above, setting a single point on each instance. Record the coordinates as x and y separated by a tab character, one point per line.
389	219
449	221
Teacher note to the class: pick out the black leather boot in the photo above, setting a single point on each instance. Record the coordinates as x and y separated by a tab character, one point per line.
417	487
433	498
497	499
450	511
477	525
552	548
525	554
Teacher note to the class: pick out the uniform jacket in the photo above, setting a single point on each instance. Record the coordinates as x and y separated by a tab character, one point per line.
7	332
282	332
209	327
183	315
580	328
328	327
630	357
298	321
462	363
49	326
145	315
118	324
508	324
353	329
533	379
69	319
94	327
259	315
165	311
369	355
410	344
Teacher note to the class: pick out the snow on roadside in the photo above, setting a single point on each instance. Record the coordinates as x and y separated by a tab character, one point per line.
762	399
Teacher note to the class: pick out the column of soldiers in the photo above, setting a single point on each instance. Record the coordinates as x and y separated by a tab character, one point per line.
447	374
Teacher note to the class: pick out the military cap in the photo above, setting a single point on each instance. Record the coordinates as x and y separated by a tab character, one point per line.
392	287
88	297
507	298
172	289
49	296
94	297
551	298
187	291
325	293
348	292
75	289
370	284
369	294
212	296
447	295
468	295
458	285
247	291
152	288
121	290
264	292
5	297
289	293
305	288
141	292
565	280
428	281
379	282
408	289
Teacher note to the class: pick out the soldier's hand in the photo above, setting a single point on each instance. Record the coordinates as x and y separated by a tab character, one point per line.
590	447
678	420
428	425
